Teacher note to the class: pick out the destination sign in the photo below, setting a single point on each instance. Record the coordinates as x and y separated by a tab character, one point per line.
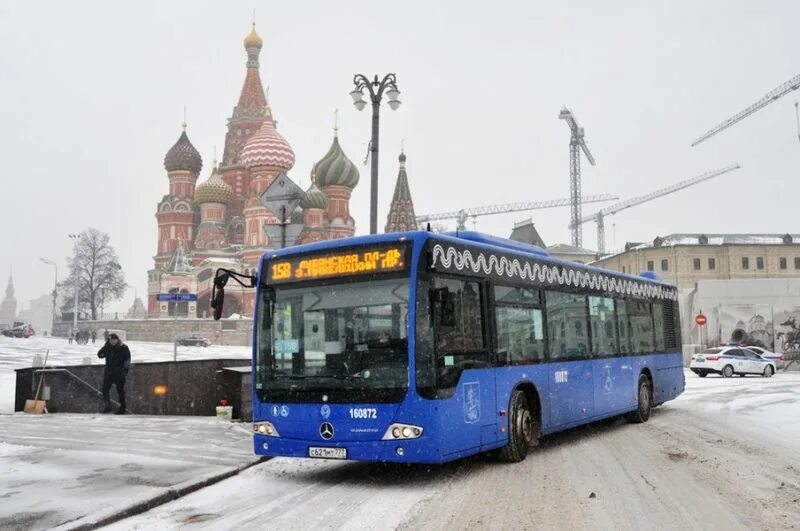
360	262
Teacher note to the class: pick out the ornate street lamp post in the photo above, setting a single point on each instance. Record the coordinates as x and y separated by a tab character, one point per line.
55	290
375	88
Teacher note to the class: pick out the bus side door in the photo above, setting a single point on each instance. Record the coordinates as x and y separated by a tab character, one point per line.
571	392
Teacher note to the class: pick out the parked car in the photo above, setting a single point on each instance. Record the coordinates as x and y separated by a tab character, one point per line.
779	359
728	361
194	341
20	330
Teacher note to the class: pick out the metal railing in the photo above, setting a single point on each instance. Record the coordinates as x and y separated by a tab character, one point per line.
77	378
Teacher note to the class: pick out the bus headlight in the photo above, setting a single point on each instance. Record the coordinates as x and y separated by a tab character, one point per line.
402	431
265	428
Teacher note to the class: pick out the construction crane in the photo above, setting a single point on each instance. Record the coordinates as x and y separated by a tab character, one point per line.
780	91
628	203
465	213
576	140
797	116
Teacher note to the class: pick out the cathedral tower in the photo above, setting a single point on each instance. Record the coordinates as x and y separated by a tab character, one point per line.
175	215
401	212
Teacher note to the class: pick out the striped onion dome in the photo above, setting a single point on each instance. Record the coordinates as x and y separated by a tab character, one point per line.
335	168
213	190
314	198
183	156
268	148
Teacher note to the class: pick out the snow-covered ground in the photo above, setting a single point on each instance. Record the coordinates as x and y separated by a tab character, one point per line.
722	456
56	469
18	353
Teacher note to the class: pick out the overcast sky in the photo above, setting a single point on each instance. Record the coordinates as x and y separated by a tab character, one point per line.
92	96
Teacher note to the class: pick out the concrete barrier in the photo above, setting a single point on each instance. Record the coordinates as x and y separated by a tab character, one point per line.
223	332
158	388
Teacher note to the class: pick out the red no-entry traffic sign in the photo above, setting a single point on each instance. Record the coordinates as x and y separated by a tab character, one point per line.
700	319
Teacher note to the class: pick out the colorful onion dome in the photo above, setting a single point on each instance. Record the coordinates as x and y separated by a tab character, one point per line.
183	156
267	148
213	190
253	40
314	198
335	168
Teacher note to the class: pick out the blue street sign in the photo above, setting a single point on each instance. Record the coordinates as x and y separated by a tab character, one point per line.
176	297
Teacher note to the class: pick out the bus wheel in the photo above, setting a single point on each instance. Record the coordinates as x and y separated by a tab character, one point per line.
642	412
522	430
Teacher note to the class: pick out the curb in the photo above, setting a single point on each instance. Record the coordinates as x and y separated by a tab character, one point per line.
171	494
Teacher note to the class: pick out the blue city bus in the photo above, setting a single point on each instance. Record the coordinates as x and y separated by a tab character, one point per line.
418	347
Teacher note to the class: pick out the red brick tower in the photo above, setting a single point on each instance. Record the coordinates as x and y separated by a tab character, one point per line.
247	117
401	212
175	214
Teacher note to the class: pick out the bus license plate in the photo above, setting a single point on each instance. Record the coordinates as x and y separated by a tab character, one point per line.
327	453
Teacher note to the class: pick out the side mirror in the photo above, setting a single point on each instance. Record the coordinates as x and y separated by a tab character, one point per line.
218	293
217	300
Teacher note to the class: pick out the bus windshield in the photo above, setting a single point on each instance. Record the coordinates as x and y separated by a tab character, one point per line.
346	341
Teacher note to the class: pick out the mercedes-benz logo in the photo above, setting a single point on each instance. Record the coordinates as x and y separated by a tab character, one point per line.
326	430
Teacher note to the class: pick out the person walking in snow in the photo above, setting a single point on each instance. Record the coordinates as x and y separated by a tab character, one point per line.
118	362
94	336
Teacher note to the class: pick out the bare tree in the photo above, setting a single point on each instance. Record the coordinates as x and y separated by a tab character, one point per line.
94	268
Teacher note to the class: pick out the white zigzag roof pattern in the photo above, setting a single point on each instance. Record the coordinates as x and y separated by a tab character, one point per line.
545	274
268	147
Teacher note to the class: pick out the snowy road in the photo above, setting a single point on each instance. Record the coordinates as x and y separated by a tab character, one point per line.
722	456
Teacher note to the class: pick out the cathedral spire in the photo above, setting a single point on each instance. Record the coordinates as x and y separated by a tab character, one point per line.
401	212
10	286
252	102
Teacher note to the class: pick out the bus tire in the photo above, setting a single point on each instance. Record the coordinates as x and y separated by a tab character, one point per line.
645	401
521	429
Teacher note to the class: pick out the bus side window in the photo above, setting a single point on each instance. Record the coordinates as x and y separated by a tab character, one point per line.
567	325
623	327
658	321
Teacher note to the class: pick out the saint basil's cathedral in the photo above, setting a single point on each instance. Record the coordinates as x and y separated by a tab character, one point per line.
231	217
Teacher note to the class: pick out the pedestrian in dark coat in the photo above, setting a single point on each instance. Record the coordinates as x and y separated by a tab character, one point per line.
118	362
94	336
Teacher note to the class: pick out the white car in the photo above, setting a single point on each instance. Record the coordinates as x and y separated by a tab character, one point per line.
728	361
779	359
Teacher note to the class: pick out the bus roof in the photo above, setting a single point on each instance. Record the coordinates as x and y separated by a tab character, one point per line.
459	237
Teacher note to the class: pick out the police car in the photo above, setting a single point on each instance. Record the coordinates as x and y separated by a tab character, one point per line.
728	361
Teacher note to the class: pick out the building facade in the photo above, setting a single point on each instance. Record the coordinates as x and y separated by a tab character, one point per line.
246	205
685	259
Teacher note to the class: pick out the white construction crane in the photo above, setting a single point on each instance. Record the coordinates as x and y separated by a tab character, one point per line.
780	91
465	213
628	203
576	140
797	116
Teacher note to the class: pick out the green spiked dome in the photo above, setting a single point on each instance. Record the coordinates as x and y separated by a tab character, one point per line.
314	198
335	169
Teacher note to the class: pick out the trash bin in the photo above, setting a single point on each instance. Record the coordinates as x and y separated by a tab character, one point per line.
225	412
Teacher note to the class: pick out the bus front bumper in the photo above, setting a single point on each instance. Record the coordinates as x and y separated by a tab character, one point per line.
397	451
